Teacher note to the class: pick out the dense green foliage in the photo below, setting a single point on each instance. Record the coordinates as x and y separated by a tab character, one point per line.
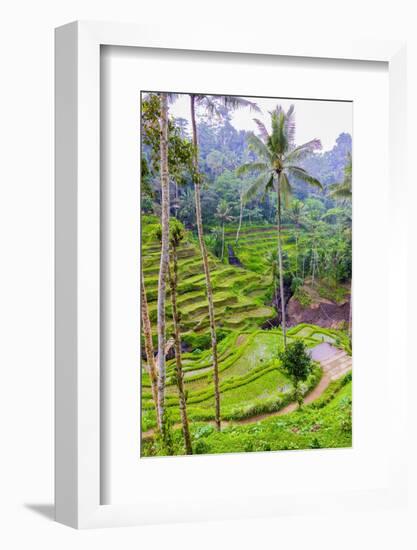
296	363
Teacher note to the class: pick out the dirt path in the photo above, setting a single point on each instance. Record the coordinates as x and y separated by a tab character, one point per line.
335	364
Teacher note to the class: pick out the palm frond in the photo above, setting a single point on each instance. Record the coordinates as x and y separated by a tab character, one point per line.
344	190
251	167
172	98
301	174
263	132
210	104
290	126
303	150
268	187
236	102
286	189
341	191
259	147
278	139
257	186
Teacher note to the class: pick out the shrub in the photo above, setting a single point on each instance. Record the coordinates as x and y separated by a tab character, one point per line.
201	447
203	431
296	283
248	447
303	297
315	444
297	364
202	341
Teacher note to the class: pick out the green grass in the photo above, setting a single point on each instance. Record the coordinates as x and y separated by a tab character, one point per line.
327	426
333	292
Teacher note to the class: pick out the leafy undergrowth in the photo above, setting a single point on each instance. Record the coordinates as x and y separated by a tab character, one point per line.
326	423
332	291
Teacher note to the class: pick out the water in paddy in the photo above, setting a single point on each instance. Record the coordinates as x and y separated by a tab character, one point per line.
262	348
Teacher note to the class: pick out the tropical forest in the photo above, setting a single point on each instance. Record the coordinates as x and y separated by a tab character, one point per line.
246	274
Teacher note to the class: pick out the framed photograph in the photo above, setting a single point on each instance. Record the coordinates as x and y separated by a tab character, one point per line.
227	329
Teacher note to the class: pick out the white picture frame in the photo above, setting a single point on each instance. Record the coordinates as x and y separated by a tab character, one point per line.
77	242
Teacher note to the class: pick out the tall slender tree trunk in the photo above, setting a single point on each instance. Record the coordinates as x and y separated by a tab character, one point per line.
313	267
240	217
150	358
223	241
281	273
209	289
173	278
296	252
164	262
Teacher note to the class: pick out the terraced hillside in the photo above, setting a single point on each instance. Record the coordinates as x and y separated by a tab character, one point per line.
251	381
255	245
236	304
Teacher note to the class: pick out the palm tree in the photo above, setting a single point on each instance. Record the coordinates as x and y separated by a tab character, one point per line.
186	211
150	358
278	160
213	105
222	214
343	190
164	261
176	236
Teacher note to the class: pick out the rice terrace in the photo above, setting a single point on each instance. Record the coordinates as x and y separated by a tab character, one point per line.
246	268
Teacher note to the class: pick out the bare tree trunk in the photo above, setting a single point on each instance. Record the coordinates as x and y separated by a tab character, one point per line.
209	289
296	252
313	267
164	262
147	331
173	278
177	200
281	274
240	217
223	242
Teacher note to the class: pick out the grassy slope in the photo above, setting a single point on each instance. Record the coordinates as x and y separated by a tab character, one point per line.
235	307
256	243
309	428
326	423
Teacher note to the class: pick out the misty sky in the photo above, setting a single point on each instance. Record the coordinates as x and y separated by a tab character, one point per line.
314	119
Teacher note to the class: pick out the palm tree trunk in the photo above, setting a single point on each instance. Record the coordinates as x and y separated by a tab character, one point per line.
313	267
173	278
223	242
281	274
203	250
147	331
240	218
176	199
296	252
164	262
